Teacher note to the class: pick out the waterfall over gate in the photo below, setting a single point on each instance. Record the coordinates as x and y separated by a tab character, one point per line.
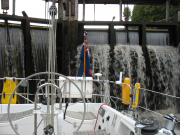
164	62
39	39
16	51
3	55
129	60
3	52
11	52
165	66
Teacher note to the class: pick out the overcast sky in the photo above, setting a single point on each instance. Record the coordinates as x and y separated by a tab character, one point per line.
36	8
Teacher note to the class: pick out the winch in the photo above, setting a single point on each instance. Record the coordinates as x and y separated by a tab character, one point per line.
146	127
169	123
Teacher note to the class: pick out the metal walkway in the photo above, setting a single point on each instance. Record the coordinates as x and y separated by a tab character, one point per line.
79	115
98	132
20	115
15	116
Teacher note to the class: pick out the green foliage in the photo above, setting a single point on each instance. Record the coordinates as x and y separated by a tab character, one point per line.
150	13
127	13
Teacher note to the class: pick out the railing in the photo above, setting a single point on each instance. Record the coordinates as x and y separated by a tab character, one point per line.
101	95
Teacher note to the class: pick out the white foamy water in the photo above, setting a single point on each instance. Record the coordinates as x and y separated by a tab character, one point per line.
129	59
165	66
39	40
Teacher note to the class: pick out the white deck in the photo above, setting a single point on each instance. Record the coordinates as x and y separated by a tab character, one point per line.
117	124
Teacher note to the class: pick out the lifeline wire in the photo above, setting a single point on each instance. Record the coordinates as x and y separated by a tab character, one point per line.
128	102
160	93
154	91
150	110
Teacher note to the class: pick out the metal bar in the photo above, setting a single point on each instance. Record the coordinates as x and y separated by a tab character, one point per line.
154	24
65	89
14	3
101	92
83	10
131	100
127	34
82	85
25	98
30	79
94	10
35	117
134	2
167	10
120	10
84	68
27	91
111	36
69	91
60	100
24	94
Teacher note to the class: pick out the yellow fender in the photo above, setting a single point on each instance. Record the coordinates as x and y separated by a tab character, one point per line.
125	91
8	87
136	95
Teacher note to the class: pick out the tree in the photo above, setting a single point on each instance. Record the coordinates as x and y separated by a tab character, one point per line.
127	13
150	13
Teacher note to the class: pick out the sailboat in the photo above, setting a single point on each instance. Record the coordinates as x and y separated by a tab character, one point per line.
79	118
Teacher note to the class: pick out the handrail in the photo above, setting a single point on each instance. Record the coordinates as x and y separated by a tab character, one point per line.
104	81
101	81
20	94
